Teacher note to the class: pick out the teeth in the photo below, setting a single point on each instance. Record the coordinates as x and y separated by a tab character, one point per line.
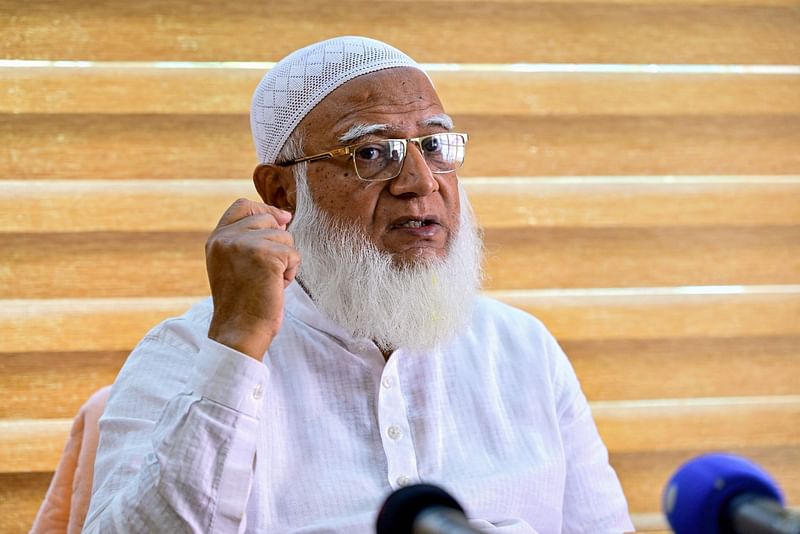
412	224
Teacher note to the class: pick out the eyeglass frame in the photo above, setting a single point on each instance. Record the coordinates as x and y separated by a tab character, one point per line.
350	150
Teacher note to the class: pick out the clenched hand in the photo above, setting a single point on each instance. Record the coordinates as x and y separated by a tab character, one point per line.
250	258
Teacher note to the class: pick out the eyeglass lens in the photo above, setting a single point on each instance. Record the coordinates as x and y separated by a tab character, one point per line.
383	160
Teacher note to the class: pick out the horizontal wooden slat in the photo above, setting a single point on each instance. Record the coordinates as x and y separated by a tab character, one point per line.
32	445
504	32
82	324
649	314
569	258
117	324
46	385
620	258
686	367
21	495
699	424
195	205
35	445
136	88
645	474
220	146
114	264
55	384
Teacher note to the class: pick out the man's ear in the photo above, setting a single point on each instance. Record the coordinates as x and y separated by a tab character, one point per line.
276	186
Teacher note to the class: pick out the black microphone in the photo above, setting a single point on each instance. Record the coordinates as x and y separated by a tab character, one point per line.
726	494
422	509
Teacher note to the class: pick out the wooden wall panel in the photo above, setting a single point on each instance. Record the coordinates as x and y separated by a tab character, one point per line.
470	32
129	264
20	497
112	174
56	206
125	89
117	324
54	384
220	146
686	367
632	257
658	314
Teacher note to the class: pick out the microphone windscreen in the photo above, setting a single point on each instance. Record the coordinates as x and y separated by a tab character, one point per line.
402	507
697	497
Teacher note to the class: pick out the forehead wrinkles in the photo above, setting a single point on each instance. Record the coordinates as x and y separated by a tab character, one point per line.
373	106
389	97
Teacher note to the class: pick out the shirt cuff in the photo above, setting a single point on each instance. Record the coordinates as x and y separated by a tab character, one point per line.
228	377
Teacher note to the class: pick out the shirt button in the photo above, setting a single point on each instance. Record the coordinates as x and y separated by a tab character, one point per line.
403	481
258	392
394	432
388	382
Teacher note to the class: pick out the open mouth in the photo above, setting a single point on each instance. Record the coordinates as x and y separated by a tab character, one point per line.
413	222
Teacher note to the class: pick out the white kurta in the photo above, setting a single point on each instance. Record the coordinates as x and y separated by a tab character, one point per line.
198	437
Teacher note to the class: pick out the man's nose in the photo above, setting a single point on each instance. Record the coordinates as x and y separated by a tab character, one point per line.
416	177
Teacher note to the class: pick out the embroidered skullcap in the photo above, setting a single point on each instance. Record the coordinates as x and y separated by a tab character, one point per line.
302	79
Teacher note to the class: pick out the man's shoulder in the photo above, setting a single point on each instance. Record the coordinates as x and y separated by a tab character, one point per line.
506	325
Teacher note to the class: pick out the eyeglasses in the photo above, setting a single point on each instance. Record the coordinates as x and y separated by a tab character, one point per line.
377	161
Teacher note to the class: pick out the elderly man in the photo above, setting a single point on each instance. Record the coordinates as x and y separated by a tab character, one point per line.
345	352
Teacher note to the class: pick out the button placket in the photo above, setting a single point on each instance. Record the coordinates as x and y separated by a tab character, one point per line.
395	431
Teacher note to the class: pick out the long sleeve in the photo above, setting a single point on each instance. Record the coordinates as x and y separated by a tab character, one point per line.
178	437
593	498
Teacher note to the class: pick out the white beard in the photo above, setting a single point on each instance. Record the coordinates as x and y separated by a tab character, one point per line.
416	306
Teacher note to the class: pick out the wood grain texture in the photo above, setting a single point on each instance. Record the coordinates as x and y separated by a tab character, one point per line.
48	385
82	324
32	445
161	264
632	257
699	424
640	314
675	368
116	324
129	89
494	32
21	494
55	206
220	146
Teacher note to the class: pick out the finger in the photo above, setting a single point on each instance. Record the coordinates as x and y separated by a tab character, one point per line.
292	267
243	208
274	235
262	220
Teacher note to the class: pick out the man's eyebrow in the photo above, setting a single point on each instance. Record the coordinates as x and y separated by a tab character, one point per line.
442	120
358	131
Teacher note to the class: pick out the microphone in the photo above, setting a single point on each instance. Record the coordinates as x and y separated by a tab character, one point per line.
726	494
422	509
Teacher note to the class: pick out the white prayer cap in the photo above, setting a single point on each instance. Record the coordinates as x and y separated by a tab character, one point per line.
303	78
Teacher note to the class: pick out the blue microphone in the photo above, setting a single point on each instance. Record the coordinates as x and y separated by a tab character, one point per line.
726	494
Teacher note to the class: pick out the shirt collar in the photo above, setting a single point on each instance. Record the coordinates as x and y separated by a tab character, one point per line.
300	306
